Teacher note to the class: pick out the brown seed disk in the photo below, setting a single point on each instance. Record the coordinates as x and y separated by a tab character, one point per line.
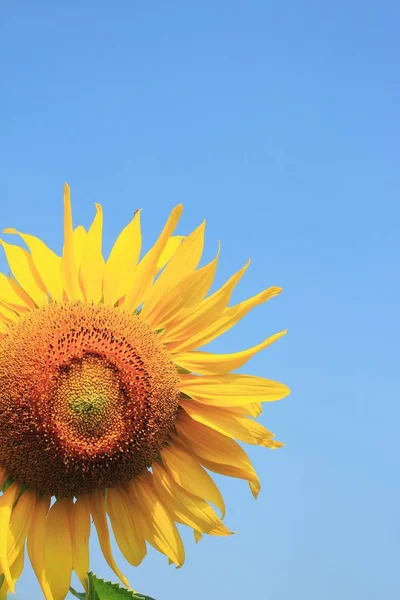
88	396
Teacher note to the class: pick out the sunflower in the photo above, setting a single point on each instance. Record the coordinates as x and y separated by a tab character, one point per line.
109	415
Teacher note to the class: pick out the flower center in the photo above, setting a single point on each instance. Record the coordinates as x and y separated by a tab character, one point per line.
88	396
87	403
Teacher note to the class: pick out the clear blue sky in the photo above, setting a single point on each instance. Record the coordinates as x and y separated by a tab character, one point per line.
279	123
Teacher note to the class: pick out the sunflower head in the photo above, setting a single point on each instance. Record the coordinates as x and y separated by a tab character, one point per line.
89	393
107	407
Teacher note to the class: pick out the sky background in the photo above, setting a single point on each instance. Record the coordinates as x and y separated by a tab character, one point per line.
278	122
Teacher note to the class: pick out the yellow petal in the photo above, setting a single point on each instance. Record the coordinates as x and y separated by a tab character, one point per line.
231	424
126	527
230	317
6	505
20	522
8	315
98	510
69	265
182	264
182	297
46	262
186	507
247	410
158	526
25	299
189	474
197	535
206	363
13	296
147	268
232	390
79	237
216	451
58	549
36	544
205	313
80	533
16	570
171	247
92	263
122	262
24	271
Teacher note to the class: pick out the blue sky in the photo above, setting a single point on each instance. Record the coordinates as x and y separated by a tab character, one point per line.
279	123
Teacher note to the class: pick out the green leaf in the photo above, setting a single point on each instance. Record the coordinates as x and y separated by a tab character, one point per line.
104	590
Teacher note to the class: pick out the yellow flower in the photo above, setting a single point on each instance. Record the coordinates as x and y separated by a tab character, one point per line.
106	406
